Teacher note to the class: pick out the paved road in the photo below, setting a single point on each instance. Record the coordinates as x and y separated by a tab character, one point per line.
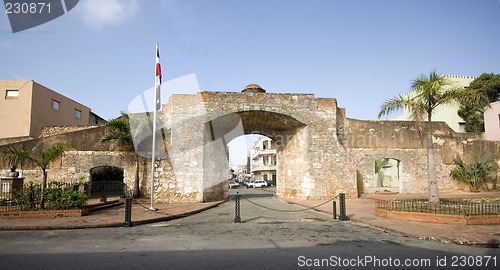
265	239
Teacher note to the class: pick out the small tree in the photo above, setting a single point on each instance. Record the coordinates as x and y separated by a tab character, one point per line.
475	173
427	93
42	159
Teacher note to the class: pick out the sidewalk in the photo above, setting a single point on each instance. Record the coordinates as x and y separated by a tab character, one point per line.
111	217
363	211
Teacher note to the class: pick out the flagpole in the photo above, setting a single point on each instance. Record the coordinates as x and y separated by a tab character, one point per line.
153	152
153	147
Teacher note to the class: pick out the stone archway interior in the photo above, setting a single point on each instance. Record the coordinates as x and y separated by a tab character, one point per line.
108	179
289	139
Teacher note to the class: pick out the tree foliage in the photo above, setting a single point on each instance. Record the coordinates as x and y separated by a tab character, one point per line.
42	159
488	86
119	132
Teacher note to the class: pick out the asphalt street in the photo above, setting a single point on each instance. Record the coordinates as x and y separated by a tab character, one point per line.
272	235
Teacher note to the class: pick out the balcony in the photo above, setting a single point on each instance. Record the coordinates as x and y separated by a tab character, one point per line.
258	153
258	168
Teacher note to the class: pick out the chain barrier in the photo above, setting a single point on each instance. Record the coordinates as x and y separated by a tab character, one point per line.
289	211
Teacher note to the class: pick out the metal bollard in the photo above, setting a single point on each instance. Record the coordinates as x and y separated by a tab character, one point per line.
128	212
32	196
237	218
342	215
334	210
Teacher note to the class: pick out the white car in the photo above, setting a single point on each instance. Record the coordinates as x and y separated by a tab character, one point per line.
257	184
233	184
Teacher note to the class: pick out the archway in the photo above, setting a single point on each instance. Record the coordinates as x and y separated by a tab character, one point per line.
287	140
387	174
106	180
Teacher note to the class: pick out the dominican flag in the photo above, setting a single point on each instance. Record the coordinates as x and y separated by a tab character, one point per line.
158	79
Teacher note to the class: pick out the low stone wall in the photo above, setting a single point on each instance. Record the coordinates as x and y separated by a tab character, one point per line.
45	213
440	218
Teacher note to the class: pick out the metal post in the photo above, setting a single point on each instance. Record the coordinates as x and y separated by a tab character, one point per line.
128	212
237	218
334	210
32	196
342	215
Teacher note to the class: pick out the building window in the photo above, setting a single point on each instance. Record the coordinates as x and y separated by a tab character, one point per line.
78	114
55	104
499	120
11	94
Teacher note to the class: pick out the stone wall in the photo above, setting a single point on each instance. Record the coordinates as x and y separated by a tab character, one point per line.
401	140
320	152
54	130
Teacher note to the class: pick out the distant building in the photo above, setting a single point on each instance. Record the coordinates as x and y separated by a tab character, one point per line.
264	160
492	122
27	107
241	172
446	113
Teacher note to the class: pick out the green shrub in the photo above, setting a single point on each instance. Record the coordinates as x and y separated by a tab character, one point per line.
475	174
58	196
21	197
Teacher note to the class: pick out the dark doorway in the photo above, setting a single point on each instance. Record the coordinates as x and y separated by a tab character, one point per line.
106	180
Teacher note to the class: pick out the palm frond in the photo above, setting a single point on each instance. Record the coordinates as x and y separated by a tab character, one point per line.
391	105
15	156
395	104
119	131
52	153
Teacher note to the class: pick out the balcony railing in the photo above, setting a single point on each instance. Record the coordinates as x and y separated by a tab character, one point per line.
264	168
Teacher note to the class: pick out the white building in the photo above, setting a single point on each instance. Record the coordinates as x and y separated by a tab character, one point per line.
264	160
446	113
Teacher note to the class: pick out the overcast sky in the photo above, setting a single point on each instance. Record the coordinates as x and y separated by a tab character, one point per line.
101	53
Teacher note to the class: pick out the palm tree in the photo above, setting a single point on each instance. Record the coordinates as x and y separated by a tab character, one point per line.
427	93
42	159
120	134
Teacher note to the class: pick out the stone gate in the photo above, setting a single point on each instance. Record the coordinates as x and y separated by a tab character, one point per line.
308	132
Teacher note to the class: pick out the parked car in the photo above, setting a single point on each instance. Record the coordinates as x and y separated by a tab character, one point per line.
271	183
258	184
250	183
246	182
233	184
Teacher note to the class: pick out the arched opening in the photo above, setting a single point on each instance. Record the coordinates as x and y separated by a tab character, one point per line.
106	180
253	157
277	159
264	161
387	174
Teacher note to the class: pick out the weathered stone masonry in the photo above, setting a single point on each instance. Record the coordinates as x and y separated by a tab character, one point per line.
320	152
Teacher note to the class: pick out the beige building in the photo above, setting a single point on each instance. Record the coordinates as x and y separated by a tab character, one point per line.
27	107
446	113
264	160
492	122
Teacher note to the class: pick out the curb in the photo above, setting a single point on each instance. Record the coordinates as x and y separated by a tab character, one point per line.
109	224
485	244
